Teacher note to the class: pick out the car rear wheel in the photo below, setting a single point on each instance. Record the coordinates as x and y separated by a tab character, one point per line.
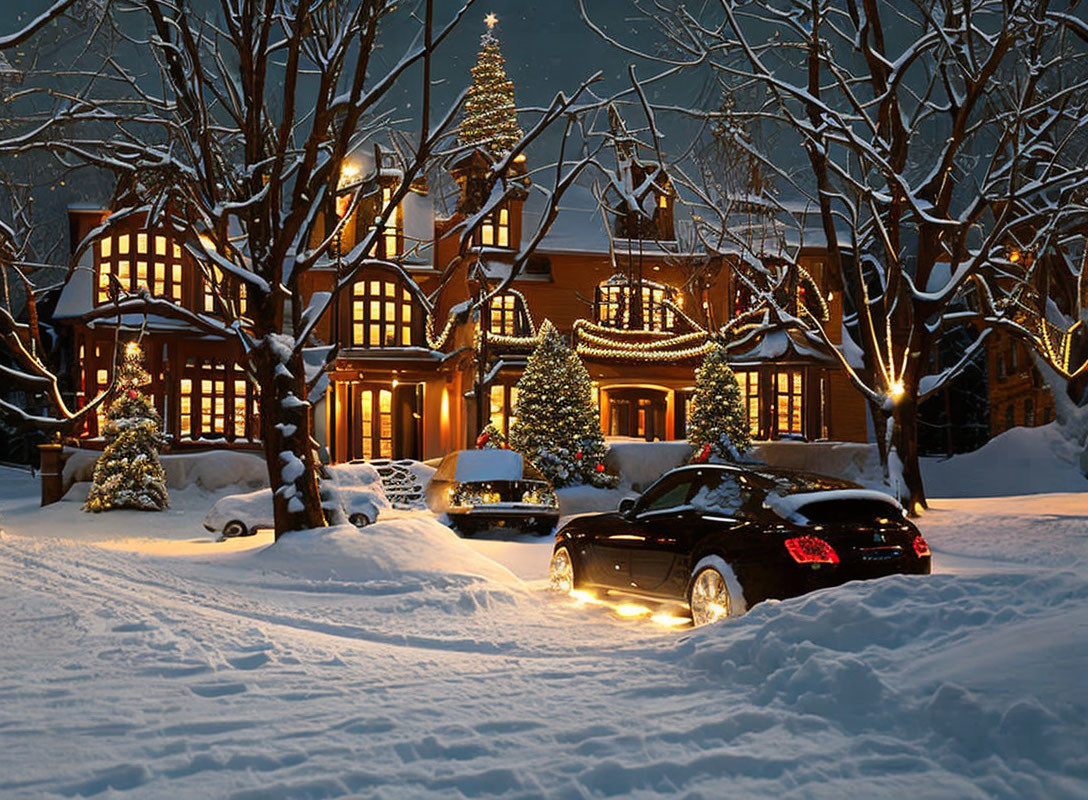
561	571
714	592
359	520
235	528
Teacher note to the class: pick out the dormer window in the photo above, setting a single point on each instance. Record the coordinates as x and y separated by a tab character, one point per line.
638	307
128	262
494	230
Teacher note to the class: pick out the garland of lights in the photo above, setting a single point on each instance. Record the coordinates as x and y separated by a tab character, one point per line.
633	354
592	338
825	313
433	342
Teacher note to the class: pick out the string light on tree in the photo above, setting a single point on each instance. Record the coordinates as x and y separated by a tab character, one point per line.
491	118
718	424
558	427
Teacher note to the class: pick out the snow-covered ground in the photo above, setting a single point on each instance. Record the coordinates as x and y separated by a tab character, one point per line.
139	658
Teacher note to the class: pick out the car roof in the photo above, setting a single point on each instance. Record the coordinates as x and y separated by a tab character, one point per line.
776	478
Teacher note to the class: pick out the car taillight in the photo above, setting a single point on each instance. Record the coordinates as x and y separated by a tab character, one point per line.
811	550
921	548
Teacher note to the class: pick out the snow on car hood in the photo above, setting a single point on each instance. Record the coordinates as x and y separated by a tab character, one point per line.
488	465
789	506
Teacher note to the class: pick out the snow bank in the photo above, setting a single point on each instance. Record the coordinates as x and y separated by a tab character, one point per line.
1017	462
851	461
641	463
407	550
211	470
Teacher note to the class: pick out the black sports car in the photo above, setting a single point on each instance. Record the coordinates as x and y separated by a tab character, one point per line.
723	538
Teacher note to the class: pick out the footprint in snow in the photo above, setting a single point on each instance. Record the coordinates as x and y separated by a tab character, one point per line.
251	661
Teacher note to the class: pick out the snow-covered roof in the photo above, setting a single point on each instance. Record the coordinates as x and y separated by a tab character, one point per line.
776	344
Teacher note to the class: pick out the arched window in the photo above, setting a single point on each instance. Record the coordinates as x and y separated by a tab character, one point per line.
635	307
382	314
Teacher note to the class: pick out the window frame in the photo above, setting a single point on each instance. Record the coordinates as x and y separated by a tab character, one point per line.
396	311
494	226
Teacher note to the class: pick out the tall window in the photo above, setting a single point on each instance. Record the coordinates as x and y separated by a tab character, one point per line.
502	401
390	242
494	230
748	382
505	316
128	262
381	314
216	402
789	402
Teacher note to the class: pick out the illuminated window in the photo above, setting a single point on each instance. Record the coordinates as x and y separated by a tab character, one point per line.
502	404
392	237
749	393
381	314
494	230
216	402
789	402
504	316
119	272
635	307
102	382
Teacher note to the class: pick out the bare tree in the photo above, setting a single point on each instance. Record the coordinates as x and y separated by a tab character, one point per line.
930	135
238	145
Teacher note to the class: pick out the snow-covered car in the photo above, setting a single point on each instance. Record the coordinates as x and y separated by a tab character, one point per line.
355	489
489	488
723	538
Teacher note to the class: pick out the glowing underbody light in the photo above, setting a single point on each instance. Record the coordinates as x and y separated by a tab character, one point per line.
583	598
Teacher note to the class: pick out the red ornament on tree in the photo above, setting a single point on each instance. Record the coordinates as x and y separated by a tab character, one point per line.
482	439
599	467
578	455
704	455
133	394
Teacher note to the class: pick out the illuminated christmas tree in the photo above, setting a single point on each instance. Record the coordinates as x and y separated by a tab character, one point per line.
718	423
490	118
558	427
128	473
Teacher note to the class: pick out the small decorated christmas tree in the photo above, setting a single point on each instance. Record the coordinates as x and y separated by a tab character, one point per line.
491	117
718	423
558	427
128	473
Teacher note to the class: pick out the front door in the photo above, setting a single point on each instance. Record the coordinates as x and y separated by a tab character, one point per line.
386	421
638	413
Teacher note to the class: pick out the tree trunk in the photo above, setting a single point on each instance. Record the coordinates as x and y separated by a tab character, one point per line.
906	446
286	435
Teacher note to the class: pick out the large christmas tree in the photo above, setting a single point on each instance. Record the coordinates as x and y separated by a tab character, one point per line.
558	427
718	423
490	118
128	473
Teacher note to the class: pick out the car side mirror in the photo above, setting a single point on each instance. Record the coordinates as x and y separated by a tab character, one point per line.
627	507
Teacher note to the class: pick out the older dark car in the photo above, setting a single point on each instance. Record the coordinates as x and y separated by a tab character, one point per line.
492	488
722	538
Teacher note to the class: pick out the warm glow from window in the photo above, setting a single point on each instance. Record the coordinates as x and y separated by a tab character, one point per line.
494	230
381	315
